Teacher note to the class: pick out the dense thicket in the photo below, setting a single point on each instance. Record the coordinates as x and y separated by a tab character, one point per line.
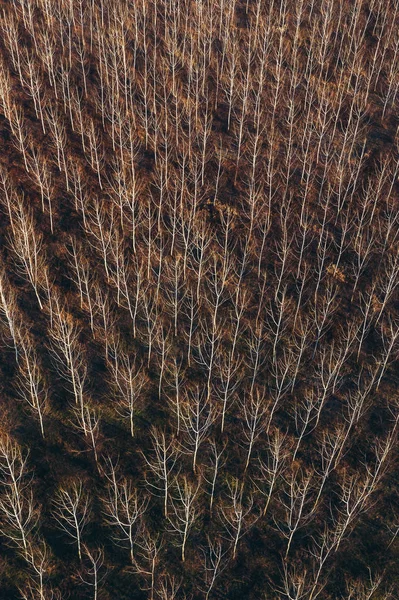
198	299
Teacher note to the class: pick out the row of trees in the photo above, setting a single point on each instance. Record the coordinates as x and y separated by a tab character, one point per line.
125	507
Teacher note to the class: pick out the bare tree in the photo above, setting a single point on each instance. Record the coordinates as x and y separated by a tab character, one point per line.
271	469
92	575
229	363
31	80
175	375
123	508
217	463
296	504
102	234
295	583
387	282
197	417
390	336
330	448
18	511
254	408
9	312
322	311
215	562
128	380
31	382
238	515
21	135
355	498
146	558
365	590
87	420
41	175
185	510
161	465
69	358
71	509
320	550
168	587
96	156
27	245
83	277
163	345
39	559
305	415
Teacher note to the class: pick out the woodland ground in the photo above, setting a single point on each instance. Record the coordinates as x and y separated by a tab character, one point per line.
199	271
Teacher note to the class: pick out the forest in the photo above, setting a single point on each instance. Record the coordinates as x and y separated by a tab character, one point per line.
199	276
